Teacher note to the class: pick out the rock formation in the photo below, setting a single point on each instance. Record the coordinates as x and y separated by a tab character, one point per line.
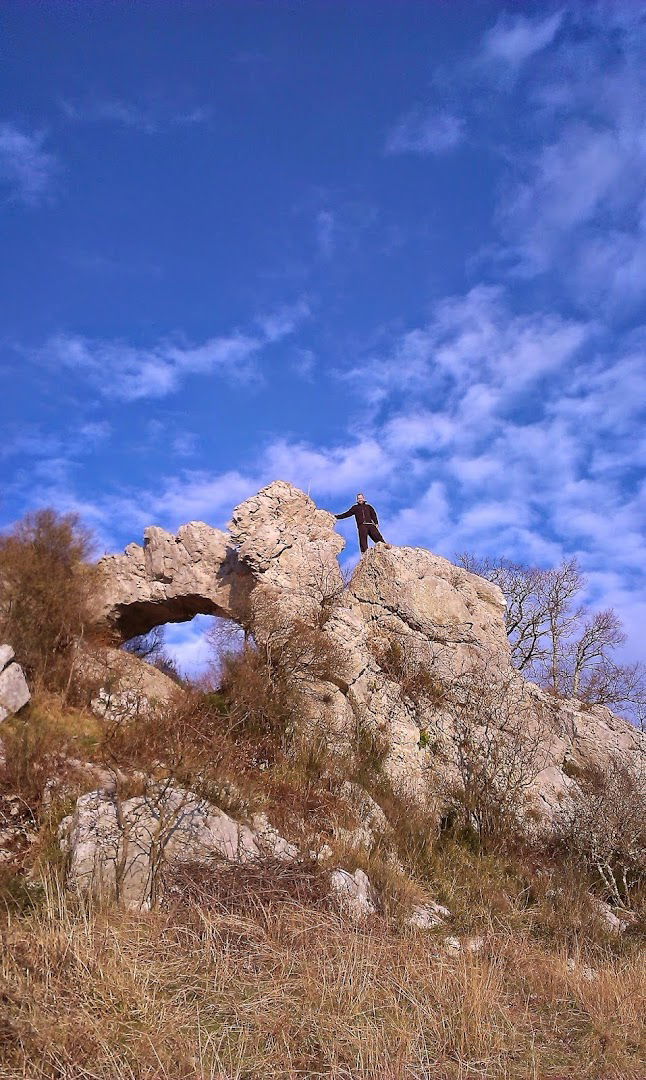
14	692
172	578
405	612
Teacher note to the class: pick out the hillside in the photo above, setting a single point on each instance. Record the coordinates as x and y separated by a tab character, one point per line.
366	848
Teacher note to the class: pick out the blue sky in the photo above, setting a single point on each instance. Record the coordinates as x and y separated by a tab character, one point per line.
398	248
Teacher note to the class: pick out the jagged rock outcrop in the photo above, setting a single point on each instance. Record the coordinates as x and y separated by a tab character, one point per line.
440	610
405	611
14	691
291	548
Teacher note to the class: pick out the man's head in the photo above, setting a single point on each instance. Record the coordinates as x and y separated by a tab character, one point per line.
361	497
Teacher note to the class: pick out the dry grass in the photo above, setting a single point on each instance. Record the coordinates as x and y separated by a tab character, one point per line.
286	990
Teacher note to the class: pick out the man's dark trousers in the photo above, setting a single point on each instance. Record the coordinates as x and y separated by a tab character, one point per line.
371	531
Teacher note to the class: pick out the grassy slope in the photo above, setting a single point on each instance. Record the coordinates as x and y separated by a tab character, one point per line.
282	990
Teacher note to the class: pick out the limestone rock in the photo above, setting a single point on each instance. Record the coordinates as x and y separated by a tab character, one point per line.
290	546
171	579
14	691
121	849
428	916
123	686
447	613
610	921
6	655
354	893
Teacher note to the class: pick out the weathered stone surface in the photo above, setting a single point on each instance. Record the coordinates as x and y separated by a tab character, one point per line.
453	618
122	849
123	686
14	691
171	579
428	916
290	546
354	893
6	654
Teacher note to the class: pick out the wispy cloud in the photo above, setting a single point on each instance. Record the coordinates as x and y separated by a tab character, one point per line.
427	130
574	202
27	169
150	118
515	38
130	373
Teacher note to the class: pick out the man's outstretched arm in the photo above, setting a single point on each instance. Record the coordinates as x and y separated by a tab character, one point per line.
348	513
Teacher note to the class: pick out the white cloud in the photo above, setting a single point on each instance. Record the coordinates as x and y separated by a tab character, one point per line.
574	203
131	373
426	131
475	347
284	321
26	167
515	38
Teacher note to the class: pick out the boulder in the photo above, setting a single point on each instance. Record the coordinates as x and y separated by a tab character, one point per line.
122	849
14	691
428	916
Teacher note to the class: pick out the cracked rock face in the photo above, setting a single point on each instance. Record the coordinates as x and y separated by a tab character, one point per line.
14	692
409	593
291	548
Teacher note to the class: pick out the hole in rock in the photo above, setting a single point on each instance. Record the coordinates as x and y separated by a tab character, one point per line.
190	650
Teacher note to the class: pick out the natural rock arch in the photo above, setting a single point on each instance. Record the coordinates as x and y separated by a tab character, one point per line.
172	578
279	541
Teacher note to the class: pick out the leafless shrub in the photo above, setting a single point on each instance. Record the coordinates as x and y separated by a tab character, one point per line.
264	683
46	586
495	747
189	738
415	674
325	583
603	827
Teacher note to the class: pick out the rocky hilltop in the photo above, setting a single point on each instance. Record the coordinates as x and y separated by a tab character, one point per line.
420	640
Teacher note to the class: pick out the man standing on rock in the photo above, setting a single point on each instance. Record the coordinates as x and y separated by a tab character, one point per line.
367	521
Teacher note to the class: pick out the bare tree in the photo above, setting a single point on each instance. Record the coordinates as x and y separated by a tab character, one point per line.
558	642
148	646
526	614
151	647
600	633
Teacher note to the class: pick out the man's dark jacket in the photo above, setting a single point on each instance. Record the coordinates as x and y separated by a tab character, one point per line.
364	513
